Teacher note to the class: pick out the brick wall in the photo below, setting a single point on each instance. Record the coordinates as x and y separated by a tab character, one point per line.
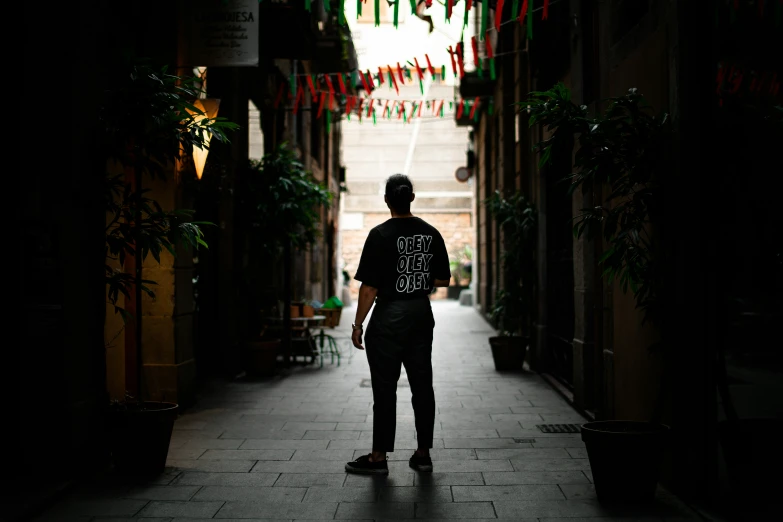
456	229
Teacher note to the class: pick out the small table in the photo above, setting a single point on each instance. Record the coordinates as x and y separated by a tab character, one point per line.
303	325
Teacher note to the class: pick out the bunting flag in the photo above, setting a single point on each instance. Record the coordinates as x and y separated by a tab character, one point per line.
369	80
299	97
359	8
473	113
328	122
449	9
484	16
421	75
329	85
474	44
523	12
453	62
413	6
530	26
460	108
321	106
545	12
429	65
380	75
468	5
377	12
341	83
311	85
499	14
393	80
399	71
279	97
461	59
308	5
364	82
396	19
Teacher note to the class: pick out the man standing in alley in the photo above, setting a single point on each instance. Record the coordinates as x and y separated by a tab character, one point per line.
404	259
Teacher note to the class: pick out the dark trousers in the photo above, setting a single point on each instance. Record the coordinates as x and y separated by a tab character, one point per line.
400	333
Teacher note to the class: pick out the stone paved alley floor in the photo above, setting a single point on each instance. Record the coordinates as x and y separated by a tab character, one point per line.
275	449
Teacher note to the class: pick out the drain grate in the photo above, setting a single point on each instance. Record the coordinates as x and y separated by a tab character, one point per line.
559	428
524	441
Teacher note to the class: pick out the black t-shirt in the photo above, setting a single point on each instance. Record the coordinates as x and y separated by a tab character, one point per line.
402	257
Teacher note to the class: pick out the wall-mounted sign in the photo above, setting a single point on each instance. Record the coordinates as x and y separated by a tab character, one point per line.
223	33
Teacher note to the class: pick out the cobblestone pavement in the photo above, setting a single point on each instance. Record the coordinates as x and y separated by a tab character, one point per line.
275	449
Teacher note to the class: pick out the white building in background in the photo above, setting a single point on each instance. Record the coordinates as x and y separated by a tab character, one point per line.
427	148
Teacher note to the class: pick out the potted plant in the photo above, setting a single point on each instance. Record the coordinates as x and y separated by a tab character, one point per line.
460	269
149	121
622	149
511	310
281	203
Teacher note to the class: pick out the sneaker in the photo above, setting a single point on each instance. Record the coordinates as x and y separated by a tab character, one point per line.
420	463
364	466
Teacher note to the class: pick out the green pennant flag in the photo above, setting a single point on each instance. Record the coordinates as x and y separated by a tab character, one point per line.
421	86
328	121
359	8
443	72
484	17
396	13
514	9
327	6
441	110
529	17
491	107
451	105
464	20
293	85
341	14
374	120
307	4
377	13
413	6
491	68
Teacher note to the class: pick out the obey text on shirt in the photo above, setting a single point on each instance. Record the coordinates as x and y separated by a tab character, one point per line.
413	264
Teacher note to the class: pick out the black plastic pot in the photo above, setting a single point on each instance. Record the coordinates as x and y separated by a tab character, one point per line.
261	357
751	455
508	352
140	437
625	458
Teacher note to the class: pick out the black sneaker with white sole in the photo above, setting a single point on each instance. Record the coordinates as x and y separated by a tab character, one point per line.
420	463
365	466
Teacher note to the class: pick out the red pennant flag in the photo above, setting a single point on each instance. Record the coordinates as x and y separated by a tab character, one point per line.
429	65
279	97
418	113
450	7
359	108
341	82
522	12
321	106
460	108
453	62
380	76
440	107
461	60
370	107
469	5
385	106
299	96
399	70
418	69
401	110
474	44
369	79
428	3
545	14
329	84
499	13
394	79
473	109
331	100
312	87
488	45
364	82
348	104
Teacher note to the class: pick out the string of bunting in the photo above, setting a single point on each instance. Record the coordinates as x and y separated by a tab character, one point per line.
518	12
387	108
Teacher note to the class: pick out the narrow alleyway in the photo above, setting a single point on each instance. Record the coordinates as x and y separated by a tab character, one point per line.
276	449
